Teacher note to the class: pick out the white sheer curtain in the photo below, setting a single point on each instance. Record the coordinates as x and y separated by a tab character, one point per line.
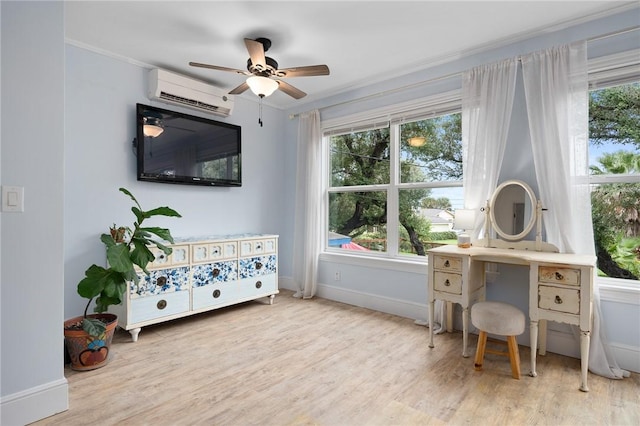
307	238
487	102
556	91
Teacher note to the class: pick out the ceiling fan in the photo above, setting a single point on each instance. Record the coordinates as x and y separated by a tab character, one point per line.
264	75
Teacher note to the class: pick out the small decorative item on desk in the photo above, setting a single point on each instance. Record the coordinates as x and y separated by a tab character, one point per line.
464	240
464	219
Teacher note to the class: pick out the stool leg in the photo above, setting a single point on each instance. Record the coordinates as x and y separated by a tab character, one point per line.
514	357
482	344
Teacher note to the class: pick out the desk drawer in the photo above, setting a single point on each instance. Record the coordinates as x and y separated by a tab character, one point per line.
446	263
557	275
449	283
559	299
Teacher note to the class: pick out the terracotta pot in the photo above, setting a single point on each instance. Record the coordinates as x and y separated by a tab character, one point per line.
88	352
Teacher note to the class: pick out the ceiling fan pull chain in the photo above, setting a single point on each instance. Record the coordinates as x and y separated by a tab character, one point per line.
260	111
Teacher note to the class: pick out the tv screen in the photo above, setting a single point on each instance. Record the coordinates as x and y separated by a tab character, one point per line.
178	148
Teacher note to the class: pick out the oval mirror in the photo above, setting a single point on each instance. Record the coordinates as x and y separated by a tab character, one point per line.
512	210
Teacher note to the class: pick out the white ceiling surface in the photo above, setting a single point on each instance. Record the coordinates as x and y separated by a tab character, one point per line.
360	41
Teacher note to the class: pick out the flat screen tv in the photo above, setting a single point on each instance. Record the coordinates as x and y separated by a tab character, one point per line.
179	148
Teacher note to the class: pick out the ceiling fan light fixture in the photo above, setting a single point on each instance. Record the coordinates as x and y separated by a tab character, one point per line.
262	86
152	127
417	141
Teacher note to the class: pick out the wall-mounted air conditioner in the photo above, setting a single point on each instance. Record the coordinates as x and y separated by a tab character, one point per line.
177	89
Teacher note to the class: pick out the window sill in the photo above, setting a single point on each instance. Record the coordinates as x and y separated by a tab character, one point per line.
416	266
619	291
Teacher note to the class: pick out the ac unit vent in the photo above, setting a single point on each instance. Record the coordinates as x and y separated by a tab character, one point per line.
188	102
180	90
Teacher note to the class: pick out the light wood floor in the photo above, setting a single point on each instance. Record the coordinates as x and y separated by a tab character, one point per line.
318	362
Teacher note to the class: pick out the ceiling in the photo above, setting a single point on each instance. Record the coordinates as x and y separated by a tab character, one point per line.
361	41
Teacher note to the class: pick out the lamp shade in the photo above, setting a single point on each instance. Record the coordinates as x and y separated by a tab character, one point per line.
152	127
262	86
417	141
464	219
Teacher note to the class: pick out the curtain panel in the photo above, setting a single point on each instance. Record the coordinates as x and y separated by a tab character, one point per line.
556	92
307	238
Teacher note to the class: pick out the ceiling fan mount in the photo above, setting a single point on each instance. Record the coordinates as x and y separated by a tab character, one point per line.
259	65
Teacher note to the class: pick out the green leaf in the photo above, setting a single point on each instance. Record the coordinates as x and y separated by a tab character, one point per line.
162	211
141	255
139	214
108	240
165	249
95	279
163	233
118	257
93	326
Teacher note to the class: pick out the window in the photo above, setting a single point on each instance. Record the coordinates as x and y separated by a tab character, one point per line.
393	186
614	161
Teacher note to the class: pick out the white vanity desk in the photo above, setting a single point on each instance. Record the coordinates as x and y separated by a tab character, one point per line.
560	288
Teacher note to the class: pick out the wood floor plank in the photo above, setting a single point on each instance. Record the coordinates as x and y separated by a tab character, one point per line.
323	363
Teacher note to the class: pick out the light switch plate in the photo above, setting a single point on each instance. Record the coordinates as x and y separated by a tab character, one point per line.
12	198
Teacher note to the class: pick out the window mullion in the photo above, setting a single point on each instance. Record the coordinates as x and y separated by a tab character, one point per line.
393	203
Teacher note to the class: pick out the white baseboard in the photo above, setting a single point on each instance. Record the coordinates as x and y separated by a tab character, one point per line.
628	357
35	403
375	302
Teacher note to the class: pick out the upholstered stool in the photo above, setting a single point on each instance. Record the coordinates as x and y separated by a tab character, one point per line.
500	319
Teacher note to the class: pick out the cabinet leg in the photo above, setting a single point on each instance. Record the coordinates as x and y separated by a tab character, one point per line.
273	296
465	331
533	341
585	337
134	333
431	315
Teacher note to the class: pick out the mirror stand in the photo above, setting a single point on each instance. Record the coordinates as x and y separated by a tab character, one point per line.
516	240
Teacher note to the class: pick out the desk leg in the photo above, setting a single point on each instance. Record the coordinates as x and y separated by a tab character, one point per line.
585	337
533	338
465	331
431	314
542	337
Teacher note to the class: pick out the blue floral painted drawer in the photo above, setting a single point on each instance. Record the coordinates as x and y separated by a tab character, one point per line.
259	265
161	281
214	273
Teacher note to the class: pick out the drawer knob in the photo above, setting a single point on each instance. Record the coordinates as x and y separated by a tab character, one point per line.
559	276
161	281
258	265
162	304
258	284
446	264
447	283
216	294
216	272
558	300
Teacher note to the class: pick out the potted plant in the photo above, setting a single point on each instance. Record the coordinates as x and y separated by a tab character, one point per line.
87	338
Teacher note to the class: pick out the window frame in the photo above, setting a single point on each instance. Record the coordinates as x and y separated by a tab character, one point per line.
603	72
393	117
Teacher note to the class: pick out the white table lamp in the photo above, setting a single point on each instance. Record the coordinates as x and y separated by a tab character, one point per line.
464	219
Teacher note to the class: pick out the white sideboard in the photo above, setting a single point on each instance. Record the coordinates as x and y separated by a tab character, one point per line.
560	289
201	274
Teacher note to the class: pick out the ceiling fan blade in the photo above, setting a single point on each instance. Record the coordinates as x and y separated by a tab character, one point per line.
290	90
256	53
244	86
216	67
307	71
